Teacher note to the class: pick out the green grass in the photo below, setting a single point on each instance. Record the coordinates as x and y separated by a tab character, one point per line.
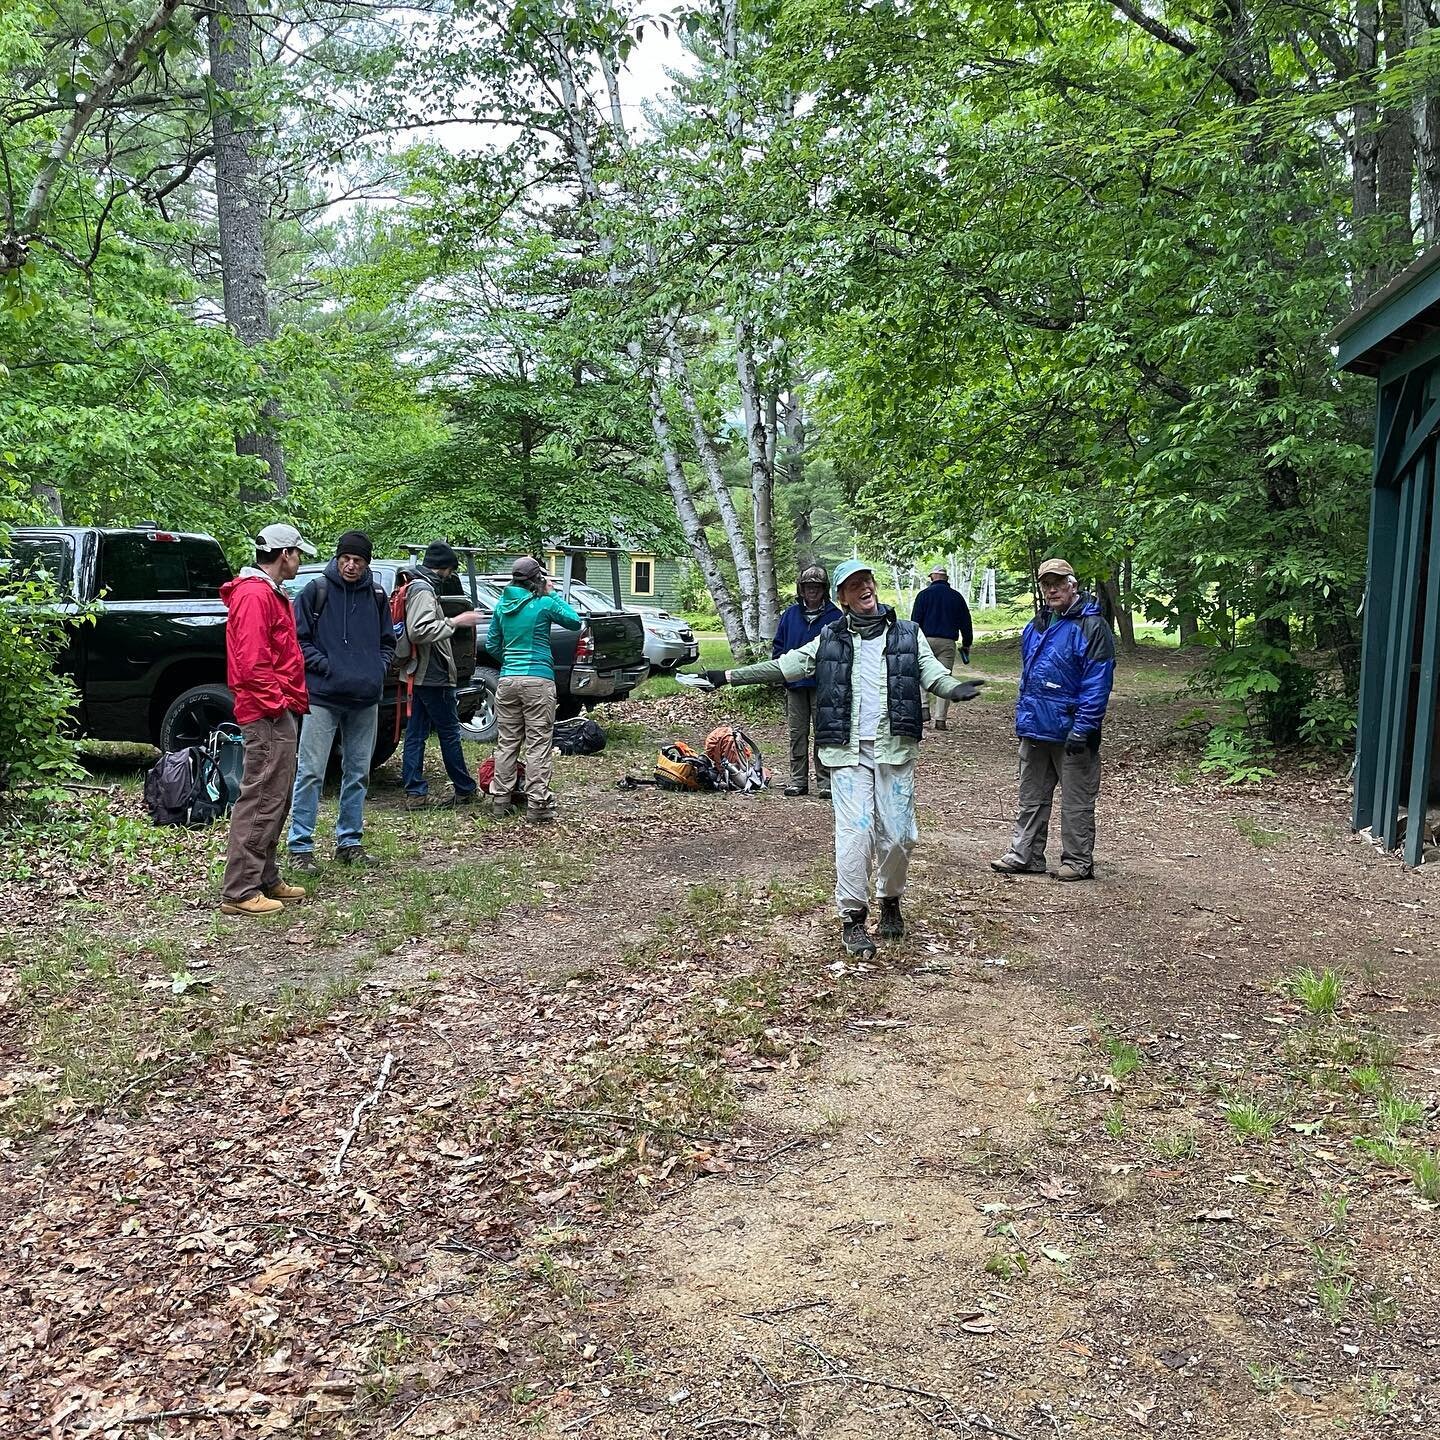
1257	835
1124	1056
1248	1118
1399	1112
1177	1145
1319	992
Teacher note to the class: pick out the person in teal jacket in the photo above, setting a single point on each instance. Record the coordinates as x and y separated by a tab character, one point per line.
519	635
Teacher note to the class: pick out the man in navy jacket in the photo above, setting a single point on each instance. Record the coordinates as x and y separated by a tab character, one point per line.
799	624
1067	665
343	621
944	619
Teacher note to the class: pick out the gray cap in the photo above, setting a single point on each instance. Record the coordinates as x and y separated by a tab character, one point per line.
283	537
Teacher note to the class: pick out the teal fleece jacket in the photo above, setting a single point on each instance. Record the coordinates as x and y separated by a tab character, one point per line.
519	631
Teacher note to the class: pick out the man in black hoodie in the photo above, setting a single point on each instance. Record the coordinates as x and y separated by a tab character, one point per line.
343	621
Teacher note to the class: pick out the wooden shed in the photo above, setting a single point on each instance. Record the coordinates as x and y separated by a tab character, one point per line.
1395	338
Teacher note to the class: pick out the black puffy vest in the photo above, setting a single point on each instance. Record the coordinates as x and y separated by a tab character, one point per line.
834	663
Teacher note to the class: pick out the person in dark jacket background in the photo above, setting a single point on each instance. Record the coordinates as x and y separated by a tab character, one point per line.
1067	666
944	619
343	621
799	624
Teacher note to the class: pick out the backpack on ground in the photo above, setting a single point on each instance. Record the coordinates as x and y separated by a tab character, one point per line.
485	776
580	736
678	767
736	759
185	787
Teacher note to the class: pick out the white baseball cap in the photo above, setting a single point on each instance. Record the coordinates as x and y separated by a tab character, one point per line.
283	537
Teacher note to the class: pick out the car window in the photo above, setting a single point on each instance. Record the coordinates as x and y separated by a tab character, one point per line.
50	556
206	566
135	567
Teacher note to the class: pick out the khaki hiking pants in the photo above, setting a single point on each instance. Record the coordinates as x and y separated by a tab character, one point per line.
525	714
258	818
1042	766
945	653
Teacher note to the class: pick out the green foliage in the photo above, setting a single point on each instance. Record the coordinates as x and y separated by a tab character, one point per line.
35	754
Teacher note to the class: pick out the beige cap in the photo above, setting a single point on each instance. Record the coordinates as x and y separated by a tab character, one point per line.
1054	566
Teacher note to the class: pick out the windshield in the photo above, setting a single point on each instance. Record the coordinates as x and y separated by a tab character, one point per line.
38	557
587	598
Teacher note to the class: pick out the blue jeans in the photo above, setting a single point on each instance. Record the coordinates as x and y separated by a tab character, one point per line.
357	746
434	709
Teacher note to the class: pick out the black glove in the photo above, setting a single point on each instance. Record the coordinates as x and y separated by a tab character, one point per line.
967	690
964	654
717	678
1076	744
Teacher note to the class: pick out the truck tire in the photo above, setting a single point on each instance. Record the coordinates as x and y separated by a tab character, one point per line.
483	724
567	707
385	742
193	714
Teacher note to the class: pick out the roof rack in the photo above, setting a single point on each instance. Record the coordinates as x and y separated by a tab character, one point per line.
567	574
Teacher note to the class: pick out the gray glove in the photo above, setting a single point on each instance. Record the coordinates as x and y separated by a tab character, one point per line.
967	690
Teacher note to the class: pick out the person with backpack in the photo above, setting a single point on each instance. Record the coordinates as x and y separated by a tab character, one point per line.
525	699
1067	666
871	670
342	619
799	624
944	619
428	666
266	673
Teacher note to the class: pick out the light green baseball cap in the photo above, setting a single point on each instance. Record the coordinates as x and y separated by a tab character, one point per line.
848	570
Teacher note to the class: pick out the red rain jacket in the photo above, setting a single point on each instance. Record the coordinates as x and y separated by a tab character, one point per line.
264	666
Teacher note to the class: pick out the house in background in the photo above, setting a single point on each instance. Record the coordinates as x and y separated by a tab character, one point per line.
645	578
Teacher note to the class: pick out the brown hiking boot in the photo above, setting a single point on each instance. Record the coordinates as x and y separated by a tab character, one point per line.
282	891
1069	872
256	904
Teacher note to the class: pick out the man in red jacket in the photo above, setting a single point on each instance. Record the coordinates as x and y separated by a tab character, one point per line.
266	672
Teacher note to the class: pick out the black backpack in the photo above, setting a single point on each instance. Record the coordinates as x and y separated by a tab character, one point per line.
187	787
580	736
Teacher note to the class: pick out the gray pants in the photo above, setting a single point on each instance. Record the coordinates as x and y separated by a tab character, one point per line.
875	829
945	652
1042	764
800	717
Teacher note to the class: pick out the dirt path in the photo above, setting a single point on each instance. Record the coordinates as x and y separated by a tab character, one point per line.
653	1163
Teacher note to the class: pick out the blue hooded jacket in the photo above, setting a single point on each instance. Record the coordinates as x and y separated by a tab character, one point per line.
348	642
1067	665
794	630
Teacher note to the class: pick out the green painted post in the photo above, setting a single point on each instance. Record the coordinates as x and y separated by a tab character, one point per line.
1384	520
1429	673
1402	648
1386	579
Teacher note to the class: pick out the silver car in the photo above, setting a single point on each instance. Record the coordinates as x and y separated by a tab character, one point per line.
669	640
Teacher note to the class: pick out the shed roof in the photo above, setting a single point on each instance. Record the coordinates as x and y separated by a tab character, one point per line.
1393	320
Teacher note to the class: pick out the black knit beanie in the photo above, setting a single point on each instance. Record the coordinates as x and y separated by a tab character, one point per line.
439	556
355	542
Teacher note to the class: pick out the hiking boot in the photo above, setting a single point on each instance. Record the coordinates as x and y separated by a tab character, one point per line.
855	937
356	855
796	787
942	724
256	904
282	891
455	799
500	809
541	816
824	794
417	802
1069	872
304	862
1011	864
892	922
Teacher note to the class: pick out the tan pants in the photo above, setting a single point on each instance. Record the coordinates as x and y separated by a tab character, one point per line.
945	652
525	715
258	818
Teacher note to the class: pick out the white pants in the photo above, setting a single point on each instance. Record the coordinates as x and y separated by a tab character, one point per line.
874	828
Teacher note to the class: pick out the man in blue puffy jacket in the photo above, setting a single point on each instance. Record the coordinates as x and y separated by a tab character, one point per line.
799	624
1067	665
343	622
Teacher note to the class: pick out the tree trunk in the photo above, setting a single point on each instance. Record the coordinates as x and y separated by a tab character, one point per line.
1189	628
1119	614
690	524
1395	161
762	483
240	212
1425	120
1365	139
792	464
720	492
